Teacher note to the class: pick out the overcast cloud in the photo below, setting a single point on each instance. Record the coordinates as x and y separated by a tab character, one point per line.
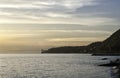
35	24
56	11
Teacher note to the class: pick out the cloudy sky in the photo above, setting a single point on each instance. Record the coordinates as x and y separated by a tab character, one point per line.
31	25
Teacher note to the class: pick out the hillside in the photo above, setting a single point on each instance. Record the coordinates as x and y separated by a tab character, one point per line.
66	49
110	45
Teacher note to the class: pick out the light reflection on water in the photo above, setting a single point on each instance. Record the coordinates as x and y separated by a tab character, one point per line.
52	66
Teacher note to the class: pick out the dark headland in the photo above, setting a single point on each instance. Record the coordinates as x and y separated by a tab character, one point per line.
110	46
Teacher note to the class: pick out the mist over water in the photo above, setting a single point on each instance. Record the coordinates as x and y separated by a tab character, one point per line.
52	66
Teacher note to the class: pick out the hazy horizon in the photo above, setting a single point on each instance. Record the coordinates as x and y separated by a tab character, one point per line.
40	24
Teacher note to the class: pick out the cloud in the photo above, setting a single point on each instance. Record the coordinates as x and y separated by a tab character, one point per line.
53	31
55	12
47	23
77	39
65	3
52	35
46	11
38	8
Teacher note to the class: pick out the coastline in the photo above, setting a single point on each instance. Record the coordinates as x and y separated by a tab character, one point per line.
106	54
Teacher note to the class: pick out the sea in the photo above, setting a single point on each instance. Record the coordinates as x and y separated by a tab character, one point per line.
53	66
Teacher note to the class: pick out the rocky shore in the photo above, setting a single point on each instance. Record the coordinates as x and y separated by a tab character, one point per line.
115	68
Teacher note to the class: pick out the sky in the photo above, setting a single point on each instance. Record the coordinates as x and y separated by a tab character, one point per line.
32	25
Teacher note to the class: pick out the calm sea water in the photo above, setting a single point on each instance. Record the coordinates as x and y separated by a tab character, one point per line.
52	66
